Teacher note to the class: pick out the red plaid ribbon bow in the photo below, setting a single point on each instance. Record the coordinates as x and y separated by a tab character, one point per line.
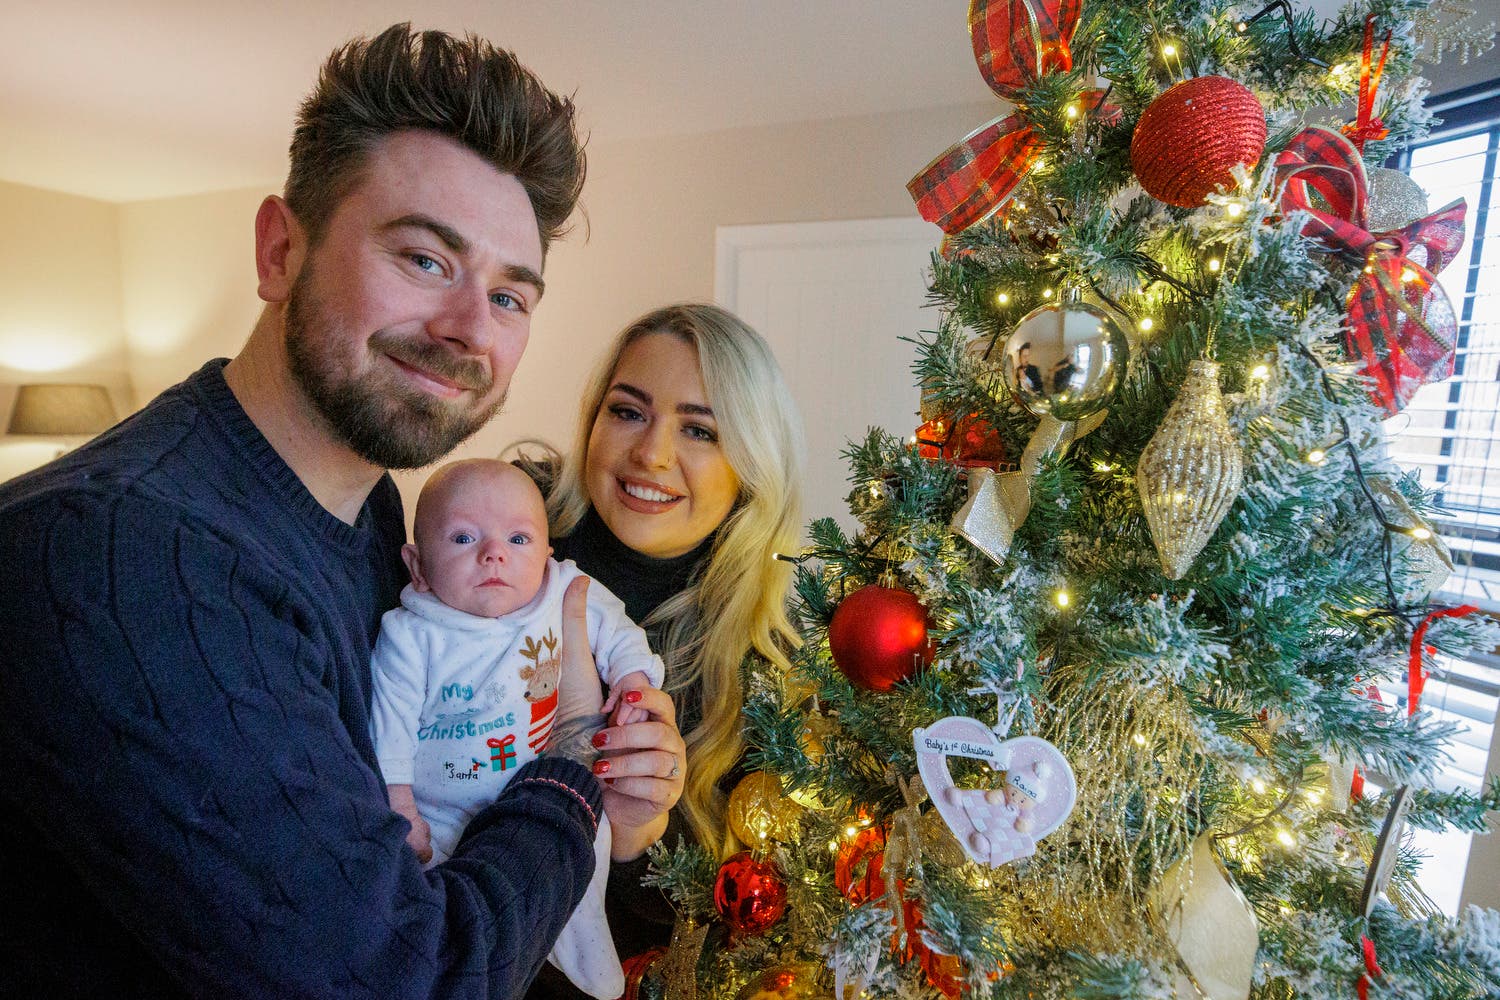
1401	324
1015	42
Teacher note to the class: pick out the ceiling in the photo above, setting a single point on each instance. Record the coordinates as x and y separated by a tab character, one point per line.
157	98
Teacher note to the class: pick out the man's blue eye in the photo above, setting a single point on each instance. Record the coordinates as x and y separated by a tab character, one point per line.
463	538
519	539
424	262
505	300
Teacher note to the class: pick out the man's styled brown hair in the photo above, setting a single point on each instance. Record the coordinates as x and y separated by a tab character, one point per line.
465	89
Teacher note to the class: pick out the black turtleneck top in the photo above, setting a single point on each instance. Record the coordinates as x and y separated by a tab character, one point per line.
640	917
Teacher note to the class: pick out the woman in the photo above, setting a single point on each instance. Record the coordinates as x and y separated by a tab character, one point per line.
684	479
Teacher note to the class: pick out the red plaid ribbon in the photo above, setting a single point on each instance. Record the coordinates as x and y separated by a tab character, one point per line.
1015	42
1365	125
1401	324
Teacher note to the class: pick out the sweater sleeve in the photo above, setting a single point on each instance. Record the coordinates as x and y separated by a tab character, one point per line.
169	715
398	675
619	644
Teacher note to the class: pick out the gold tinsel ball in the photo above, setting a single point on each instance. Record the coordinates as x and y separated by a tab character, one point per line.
785	982
758	811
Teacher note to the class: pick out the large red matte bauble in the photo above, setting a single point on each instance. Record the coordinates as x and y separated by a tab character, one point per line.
1190	139
749	895
878	636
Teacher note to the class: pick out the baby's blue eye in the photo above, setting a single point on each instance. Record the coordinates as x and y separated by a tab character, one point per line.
463	538
519	539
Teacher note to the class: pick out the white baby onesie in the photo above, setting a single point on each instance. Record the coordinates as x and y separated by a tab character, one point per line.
462	702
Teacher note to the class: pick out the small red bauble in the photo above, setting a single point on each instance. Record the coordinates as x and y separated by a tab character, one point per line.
1192	136
878	636
749	895
856	870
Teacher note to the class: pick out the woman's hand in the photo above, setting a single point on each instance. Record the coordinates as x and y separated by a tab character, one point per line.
643	766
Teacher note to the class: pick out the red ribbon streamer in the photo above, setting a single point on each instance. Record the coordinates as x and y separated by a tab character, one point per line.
1401	324
1015	42
1365	125
1372	968
1416	677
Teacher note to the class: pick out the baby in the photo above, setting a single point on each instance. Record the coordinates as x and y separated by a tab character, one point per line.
466	674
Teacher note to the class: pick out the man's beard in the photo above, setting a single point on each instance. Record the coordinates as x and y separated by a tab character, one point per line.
383	421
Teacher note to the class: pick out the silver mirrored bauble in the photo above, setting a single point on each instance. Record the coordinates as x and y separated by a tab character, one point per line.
1065	361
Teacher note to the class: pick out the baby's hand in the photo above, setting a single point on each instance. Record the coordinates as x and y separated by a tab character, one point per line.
625	713
420	837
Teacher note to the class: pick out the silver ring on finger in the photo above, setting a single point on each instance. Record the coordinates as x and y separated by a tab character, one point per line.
675	769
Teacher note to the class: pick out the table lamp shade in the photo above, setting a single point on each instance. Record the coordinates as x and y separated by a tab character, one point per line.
61	410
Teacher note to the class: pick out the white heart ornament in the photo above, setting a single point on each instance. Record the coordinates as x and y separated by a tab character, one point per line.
1001	824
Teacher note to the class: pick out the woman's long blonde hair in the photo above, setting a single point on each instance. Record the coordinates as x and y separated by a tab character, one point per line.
737	603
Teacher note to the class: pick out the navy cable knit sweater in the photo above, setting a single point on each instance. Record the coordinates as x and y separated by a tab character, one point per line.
190	802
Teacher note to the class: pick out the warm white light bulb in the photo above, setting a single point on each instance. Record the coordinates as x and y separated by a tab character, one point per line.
1260	371
1286	838
1234	209
1003	298
1169	50
1317	456
1214	264
1046	293
1258	786
1421	534
1146	324
1140	740
1072	111
1062	598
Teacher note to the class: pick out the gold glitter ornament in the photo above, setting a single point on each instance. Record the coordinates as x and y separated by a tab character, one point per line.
1395	200
758	811
1190	472
679	967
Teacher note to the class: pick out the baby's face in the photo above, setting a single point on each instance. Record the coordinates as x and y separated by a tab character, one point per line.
482	547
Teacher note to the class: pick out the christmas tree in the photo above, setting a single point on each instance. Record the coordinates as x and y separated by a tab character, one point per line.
1087	706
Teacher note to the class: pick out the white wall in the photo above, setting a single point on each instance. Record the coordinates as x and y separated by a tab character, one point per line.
59	305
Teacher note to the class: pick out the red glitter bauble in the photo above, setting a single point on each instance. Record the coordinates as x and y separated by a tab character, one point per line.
878	636
856	870
749	895
1190	139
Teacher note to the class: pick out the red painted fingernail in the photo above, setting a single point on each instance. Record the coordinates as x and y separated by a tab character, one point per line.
601	766
632	697
601	738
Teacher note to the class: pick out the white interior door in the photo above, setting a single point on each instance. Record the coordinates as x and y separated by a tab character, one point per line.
833	299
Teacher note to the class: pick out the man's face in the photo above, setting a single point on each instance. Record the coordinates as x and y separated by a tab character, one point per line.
406	321
1023	356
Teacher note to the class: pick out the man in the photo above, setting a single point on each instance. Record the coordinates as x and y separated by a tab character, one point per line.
192	804
1028	379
